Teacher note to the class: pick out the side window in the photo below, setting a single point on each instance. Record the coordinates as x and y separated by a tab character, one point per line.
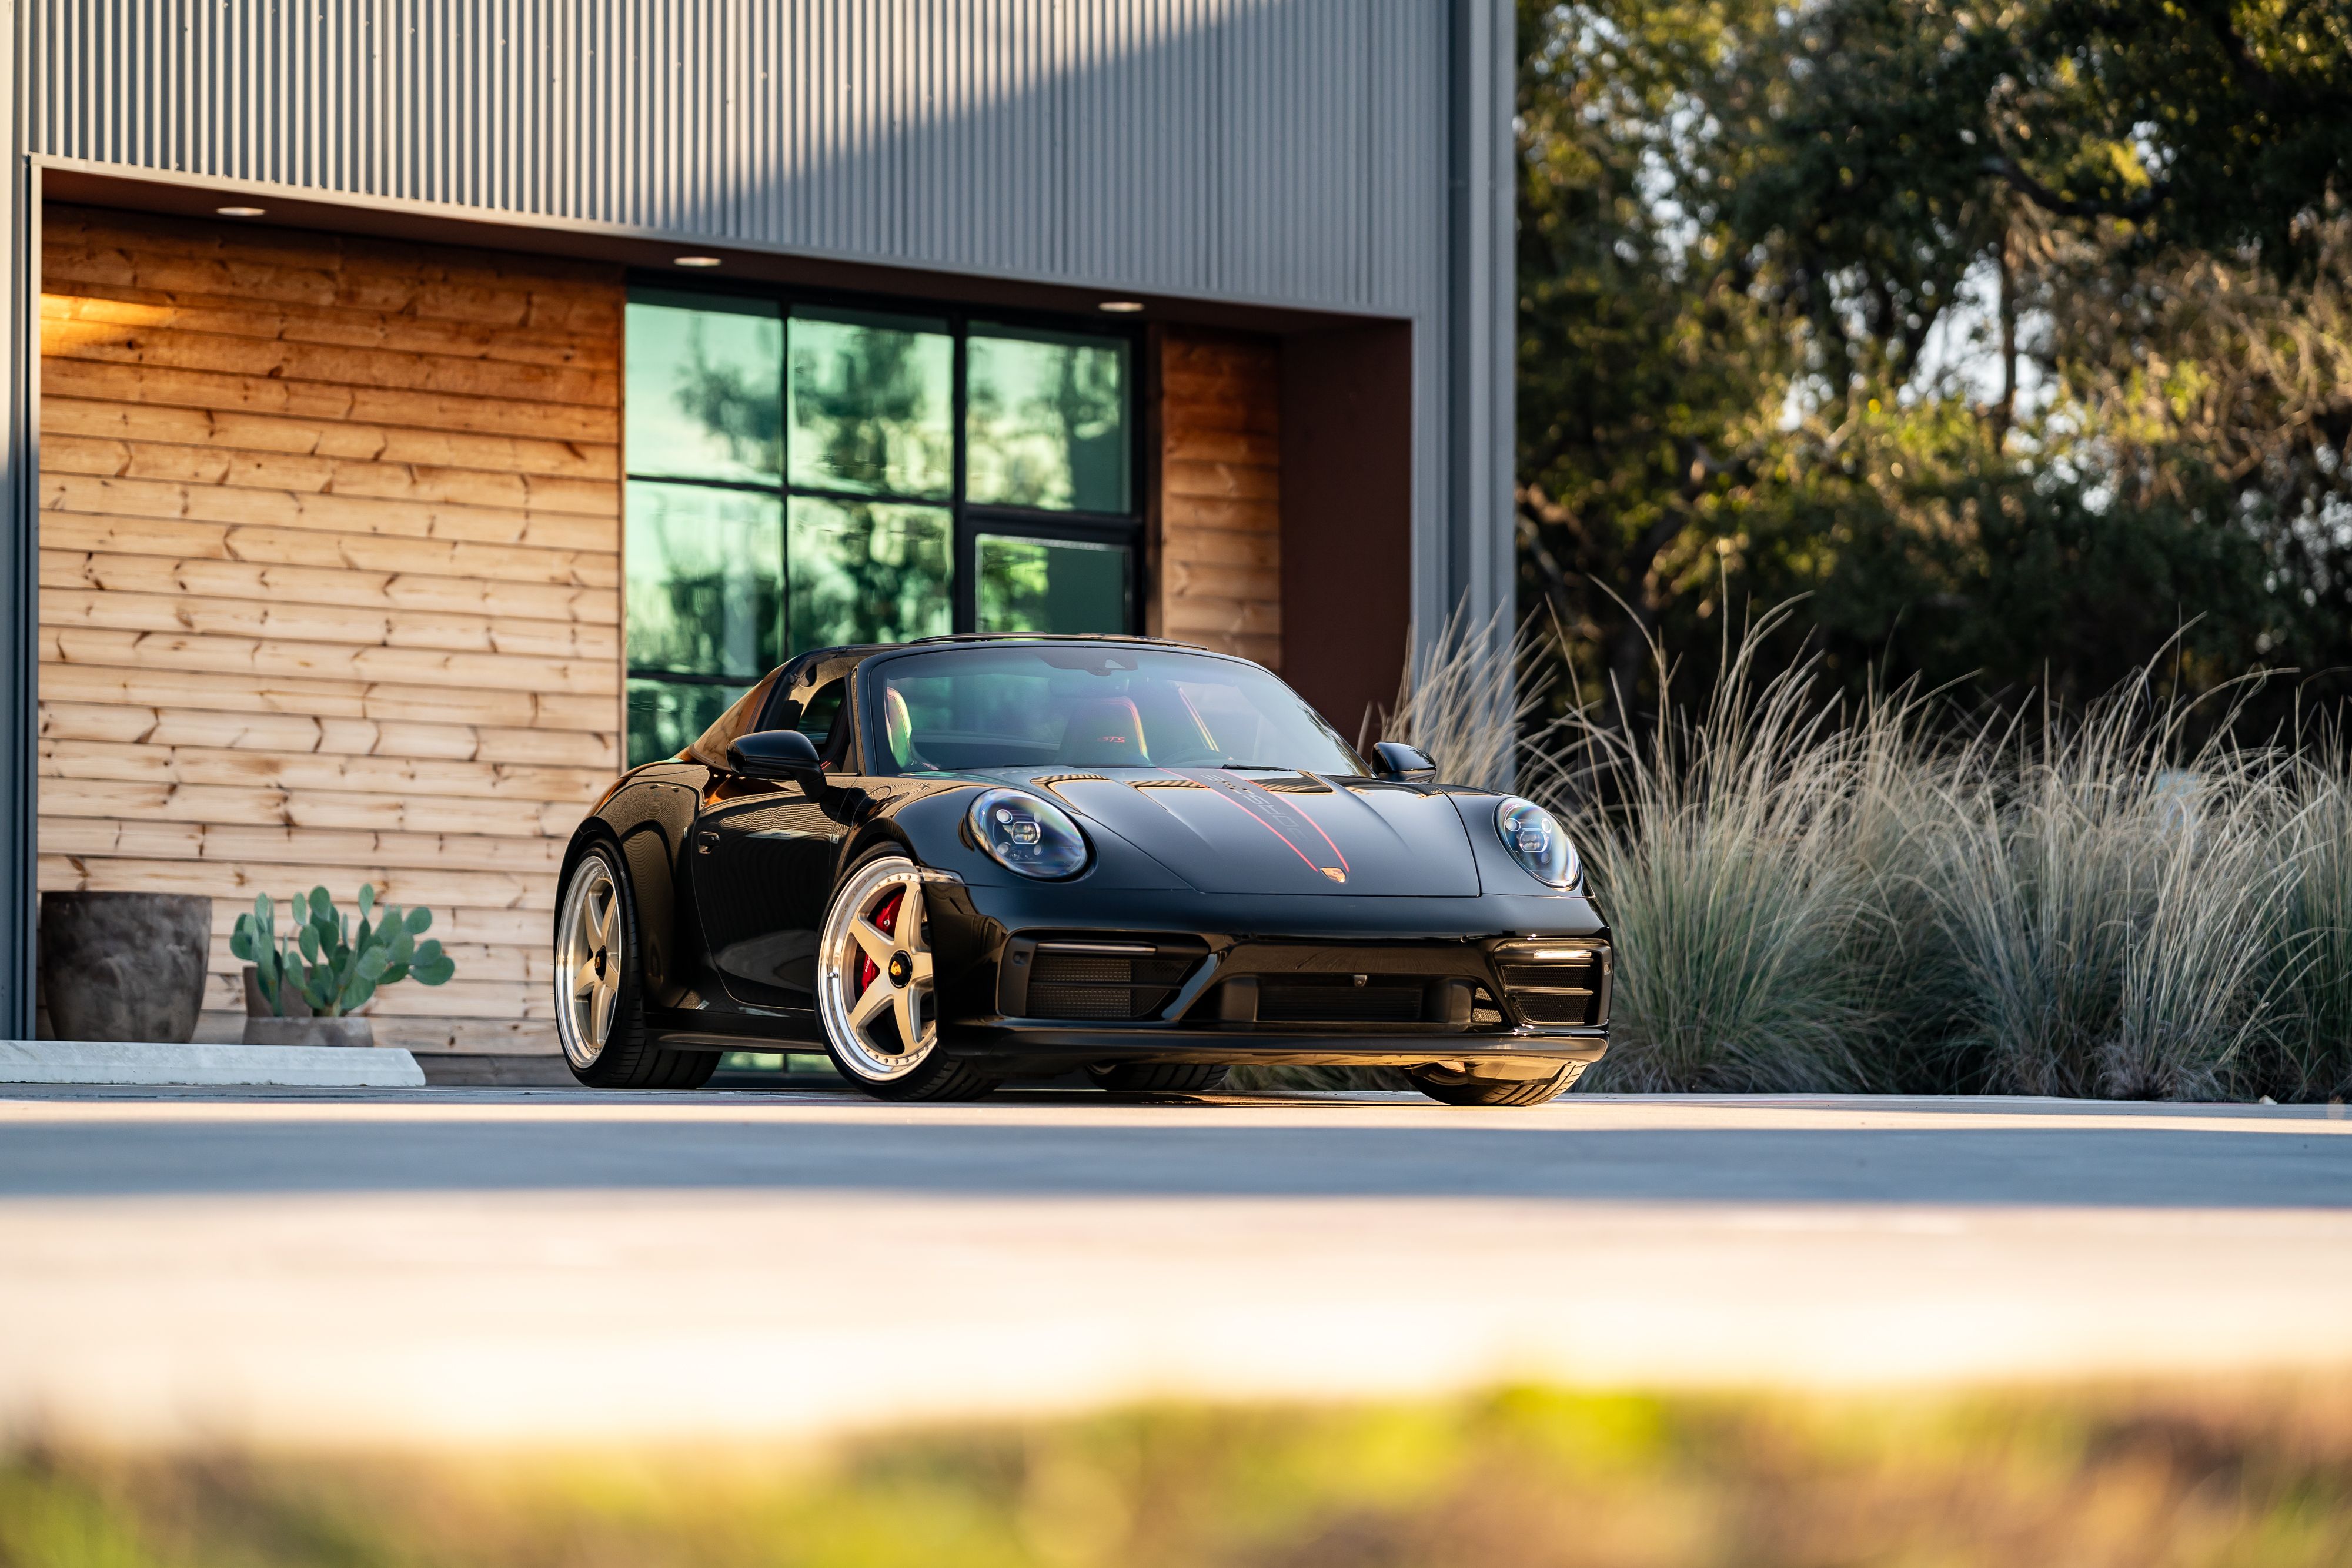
821	721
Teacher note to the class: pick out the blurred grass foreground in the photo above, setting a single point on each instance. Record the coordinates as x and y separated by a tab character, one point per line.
1521	1477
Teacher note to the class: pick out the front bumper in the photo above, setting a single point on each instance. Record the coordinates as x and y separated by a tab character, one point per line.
1473	961
1044	1049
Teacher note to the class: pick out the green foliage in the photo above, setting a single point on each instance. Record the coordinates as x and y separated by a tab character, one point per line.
2015	337
2209	124
338	969
51	1520
1519	1477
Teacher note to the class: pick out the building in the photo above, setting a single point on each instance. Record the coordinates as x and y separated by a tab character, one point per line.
421	406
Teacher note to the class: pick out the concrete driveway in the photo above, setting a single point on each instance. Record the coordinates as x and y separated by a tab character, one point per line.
540	1264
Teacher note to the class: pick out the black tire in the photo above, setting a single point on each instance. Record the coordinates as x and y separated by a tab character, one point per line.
1158	1077
938	1076
626	1059
1461	1089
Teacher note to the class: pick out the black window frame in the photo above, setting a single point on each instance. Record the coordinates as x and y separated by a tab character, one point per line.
968	519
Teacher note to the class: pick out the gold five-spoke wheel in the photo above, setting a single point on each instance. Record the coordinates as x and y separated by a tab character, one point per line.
874	979
588	962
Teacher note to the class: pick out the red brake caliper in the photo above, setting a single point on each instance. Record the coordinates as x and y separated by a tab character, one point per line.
887	919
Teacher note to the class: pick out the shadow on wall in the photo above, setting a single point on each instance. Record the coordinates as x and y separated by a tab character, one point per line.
1281	151
1256	150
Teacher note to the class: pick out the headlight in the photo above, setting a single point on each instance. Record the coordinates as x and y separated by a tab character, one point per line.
1537	841
1028	834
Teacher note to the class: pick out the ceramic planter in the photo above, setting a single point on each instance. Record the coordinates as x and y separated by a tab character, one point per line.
309	1032
256	1005
298	1027
124	966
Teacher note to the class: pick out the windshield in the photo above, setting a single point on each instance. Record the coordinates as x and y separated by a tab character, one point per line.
1103	706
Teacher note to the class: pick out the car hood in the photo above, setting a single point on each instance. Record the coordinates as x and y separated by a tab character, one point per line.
1226	831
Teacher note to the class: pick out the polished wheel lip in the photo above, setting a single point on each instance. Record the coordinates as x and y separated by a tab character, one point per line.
588	961
851	1013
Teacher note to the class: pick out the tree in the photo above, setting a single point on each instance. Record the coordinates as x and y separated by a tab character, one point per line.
2013	334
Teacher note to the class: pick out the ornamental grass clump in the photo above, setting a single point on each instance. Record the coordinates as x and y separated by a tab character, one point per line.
1805	895
327	965
2103	902
1736	855
2305	1051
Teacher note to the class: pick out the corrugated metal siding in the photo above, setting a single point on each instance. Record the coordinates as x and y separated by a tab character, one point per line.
1274	150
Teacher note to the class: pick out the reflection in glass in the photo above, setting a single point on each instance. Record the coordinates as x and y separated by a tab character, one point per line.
705	580
1044	419
868	572
665	716
705	393
1050	585
872	405
1023	705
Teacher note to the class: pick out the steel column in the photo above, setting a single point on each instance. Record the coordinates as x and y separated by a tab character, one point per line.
19	572
1480	308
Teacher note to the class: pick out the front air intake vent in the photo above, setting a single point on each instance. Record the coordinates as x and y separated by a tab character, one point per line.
1571	1009
1340	998
1560	986
1105	980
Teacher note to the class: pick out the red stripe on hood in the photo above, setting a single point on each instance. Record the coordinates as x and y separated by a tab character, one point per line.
1230	783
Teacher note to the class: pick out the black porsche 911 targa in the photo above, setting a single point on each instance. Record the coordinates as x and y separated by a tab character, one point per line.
955	860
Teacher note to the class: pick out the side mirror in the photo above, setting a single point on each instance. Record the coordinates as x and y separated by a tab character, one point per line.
1393	759
784	754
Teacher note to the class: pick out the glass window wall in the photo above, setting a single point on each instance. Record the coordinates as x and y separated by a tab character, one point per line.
802	475
1053	585
1047	419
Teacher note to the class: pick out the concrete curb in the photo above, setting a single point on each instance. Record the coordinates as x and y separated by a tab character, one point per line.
133	1061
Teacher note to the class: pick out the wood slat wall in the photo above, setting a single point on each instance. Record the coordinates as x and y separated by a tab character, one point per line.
329	585
1220	533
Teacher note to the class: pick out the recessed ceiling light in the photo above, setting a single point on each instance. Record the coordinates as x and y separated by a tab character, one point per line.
698	261
1121	306
238	212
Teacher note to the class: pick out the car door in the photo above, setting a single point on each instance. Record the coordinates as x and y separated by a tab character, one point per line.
764	858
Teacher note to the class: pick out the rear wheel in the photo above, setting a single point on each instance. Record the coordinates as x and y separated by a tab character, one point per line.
1468	1089
875	992
598	993
1158	1077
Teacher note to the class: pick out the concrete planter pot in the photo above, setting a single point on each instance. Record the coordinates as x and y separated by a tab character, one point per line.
124	966
298	1027
309	1032
256	1005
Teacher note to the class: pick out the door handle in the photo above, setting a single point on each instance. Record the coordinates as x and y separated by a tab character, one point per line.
705	842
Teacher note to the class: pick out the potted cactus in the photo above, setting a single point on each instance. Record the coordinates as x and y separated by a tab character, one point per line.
313	979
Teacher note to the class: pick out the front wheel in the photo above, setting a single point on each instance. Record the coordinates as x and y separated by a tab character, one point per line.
874	991
1468	1089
